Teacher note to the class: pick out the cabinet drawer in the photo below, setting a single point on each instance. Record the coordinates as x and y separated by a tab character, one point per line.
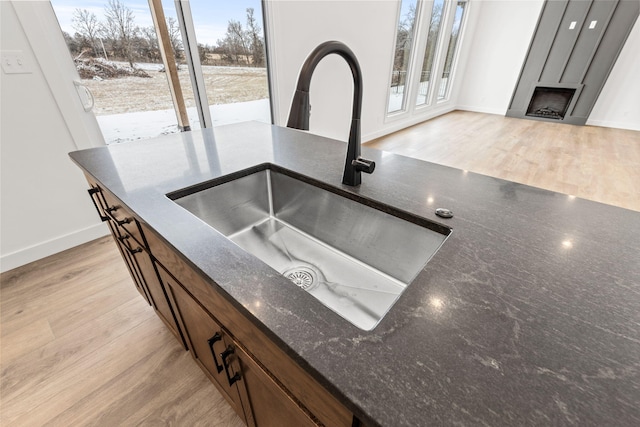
157	291
208	343
324	406
128	255
122	218
271	405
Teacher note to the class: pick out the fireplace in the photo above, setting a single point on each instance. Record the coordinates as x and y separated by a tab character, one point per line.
550	102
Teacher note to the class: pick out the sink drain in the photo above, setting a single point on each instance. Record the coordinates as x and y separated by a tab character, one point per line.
302	277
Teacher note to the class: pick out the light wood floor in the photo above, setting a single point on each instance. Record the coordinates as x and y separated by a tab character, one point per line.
79	345
594	163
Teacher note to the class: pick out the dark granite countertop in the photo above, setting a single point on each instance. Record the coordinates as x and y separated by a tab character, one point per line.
528	315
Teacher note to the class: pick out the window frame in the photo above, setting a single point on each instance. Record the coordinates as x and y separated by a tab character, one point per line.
424	9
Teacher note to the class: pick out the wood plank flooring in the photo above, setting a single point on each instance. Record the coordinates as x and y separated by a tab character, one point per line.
595	163
79	346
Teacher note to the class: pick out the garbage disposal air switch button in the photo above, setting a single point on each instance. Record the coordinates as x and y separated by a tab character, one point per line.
444	213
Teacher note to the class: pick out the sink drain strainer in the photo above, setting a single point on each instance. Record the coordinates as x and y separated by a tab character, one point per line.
302	277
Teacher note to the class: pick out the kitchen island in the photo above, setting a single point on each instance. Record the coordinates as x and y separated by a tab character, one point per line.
528	314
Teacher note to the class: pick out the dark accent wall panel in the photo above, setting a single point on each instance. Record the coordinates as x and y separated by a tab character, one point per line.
565	40
545	34
575	45
586	44
609	48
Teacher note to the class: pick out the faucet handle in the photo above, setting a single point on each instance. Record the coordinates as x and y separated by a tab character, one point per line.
364	165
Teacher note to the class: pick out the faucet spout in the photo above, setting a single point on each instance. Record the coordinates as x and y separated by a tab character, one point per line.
300	108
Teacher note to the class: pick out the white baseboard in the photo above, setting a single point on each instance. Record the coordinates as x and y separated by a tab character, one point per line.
478	109
590	122
616	125
50	247
394	126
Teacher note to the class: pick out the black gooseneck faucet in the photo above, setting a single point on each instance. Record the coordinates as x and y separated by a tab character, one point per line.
300	108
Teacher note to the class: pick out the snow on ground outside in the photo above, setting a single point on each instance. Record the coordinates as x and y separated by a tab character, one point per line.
132	108
149	124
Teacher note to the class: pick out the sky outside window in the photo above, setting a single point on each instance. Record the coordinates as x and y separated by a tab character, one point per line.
211	20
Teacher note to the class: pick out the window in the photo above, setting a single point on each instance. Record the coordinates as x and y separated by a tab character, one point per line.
115	47
404	43
427	40
451	50
430	51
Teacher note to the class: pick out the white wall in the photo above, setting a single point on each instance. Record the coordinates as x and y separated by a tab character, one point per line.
44	207
500	40
367	27
618	105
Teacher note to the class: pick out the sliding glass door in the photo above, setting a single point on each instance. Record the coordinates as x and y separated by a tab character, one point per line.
232	52
115	47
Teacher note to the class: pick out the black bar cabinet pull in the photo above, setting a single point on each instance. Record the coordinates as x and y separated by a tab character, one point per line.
133	251
215	338
92	191
224	355
124	221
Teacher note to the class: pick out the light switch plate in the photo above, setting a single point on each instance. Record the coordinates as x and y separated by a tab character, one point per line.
15	62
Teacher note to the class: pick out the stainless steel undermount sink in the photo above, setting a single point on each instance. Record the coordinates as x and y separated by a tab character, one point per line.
354	255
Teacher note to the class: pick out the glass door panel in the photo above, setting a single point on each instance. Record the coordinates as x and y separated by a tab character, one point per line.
231	45
428	60
445	81
115	48
405	36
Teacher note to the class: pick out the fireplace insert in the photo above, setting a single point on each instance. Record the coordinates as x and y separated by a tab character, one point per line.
550	102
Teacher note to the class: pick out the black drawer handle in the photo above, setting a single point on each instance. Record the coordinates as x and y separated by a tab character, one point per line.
124	221
133	251
124	240
211	341
224	356
92	191
111	209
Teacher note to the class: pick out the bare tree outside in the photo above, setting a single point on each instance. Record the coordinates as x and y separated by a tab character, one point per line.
234	45
87	28
256	39
120	29
116	36
175	38
149	49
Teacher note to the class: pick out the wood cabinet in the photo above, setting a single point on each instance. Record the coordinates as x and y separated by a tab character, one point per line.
253	393
259	380
271	404
129	238
271	373
207	341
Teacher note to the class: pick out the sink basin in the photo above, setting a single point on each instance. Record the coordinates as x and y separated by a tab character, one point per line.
352	254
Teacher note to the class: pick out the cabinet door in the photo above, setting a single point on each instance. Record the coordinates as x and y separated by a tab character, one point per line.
271	405
128	255
155	290
208	344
